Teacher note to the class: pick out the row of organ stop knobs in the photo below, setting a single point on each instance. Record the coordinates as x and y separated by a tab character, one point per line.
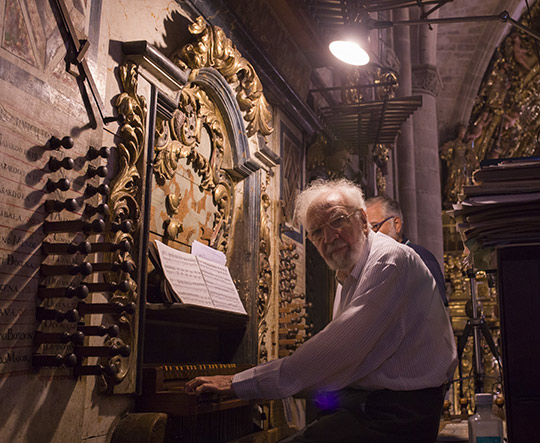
294	326
65	329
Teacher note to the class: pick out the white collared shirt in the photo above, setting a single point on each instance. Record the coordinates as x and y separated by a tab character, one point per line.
389	331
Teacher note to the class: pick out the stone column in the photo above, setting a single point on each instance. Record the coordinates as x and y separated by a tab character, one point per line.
426	82
405	159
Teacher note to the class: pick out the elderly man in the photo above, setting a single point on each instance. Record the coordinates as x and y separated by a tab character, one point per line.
378	369
385	216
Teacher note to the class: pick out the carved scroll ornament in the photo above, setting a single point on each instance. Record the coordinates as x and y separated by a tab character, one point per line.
214	49
179	138
124	205
264	287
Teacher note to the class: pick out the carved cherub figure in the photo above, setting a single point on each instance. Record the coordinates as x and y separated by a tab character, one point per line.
461	161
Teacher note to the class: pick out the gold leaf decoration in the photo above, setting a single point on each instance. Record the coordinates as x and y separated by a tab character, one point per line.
264	286
214	49
123	202
179	137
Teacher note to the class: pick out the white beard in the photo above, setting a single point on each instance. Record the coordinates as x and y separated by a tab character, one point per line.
344	257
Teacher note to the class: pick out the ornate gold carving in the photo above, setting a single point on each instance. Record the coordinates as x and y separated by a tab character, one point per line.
505	121
264	287
169	151
179	138
355	76
460	161
454	270
125	188
387	82
214	49
330	158
380	158
124	203
173	227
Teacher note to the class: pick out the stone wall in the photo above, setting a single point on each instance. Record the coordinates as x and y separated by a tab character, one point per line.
39	100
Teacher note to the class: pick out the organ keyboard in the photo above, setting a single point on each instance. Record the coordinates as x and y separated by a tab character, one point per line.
163	389
208	418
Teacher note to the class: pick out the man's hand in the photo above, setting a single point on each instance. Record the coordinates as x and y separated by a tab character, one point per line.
219	384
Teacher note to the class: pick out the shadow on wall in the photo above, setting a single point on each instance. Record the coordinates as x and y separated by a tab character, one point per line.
176	33
35	409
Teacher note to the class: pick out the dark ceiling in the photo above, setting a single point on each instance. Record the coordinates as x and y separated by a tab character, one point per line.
310	24
373	118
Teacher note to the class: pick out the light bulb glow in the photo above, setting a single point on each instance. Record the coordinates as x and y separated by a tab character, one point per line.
349	52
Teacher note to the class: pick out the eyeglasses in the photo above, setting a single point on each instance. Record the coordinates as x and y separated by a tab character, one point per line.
336	224
376	226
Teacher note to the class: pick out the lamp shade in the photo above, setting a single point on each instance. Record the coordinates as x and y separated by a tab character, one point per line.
350	45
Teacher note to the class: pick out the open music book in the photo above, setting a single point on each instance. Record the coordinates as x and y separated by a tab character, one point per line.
194	280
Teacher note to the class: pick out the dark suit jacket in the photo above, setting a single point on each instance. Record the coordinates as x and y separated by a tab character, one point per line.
432	264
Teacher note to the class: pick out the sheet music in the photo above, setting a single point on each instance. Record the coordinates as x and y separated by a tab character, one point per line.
221	287
201	250
183	273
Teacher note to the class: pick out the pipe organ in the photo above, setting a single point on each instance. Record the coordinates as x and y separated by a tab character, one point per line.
78	268
192	158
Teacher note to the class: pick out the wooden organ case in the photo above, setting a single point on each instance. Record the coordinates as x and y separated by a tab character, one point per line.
206	116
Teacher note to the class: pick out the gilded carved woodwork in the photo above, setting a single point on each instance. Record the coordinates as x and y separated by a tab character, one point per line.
178	138
505	118
264	287
387	84
124	204
200	138
461	161
328	158
214	49
380	158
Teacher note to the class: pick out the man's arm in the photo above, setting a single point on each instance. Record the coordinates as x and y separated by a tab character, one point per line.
335	357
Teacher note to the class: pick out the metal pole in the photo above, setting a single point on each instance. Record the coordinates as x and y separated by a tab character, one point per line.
478	368
502	17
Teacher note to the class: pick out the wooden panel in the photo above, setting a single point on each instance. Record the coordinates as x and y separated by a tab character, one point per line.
519	294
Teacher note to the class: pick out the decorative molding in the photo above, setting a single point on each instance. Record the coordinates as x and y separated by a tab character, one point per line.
214	49
381	155
426	80
387	84
124	205
179	137
504	121
264	287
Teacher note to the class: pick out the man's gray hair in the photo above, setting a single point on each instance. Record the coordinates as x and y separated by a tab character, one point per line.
351	192
389	207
